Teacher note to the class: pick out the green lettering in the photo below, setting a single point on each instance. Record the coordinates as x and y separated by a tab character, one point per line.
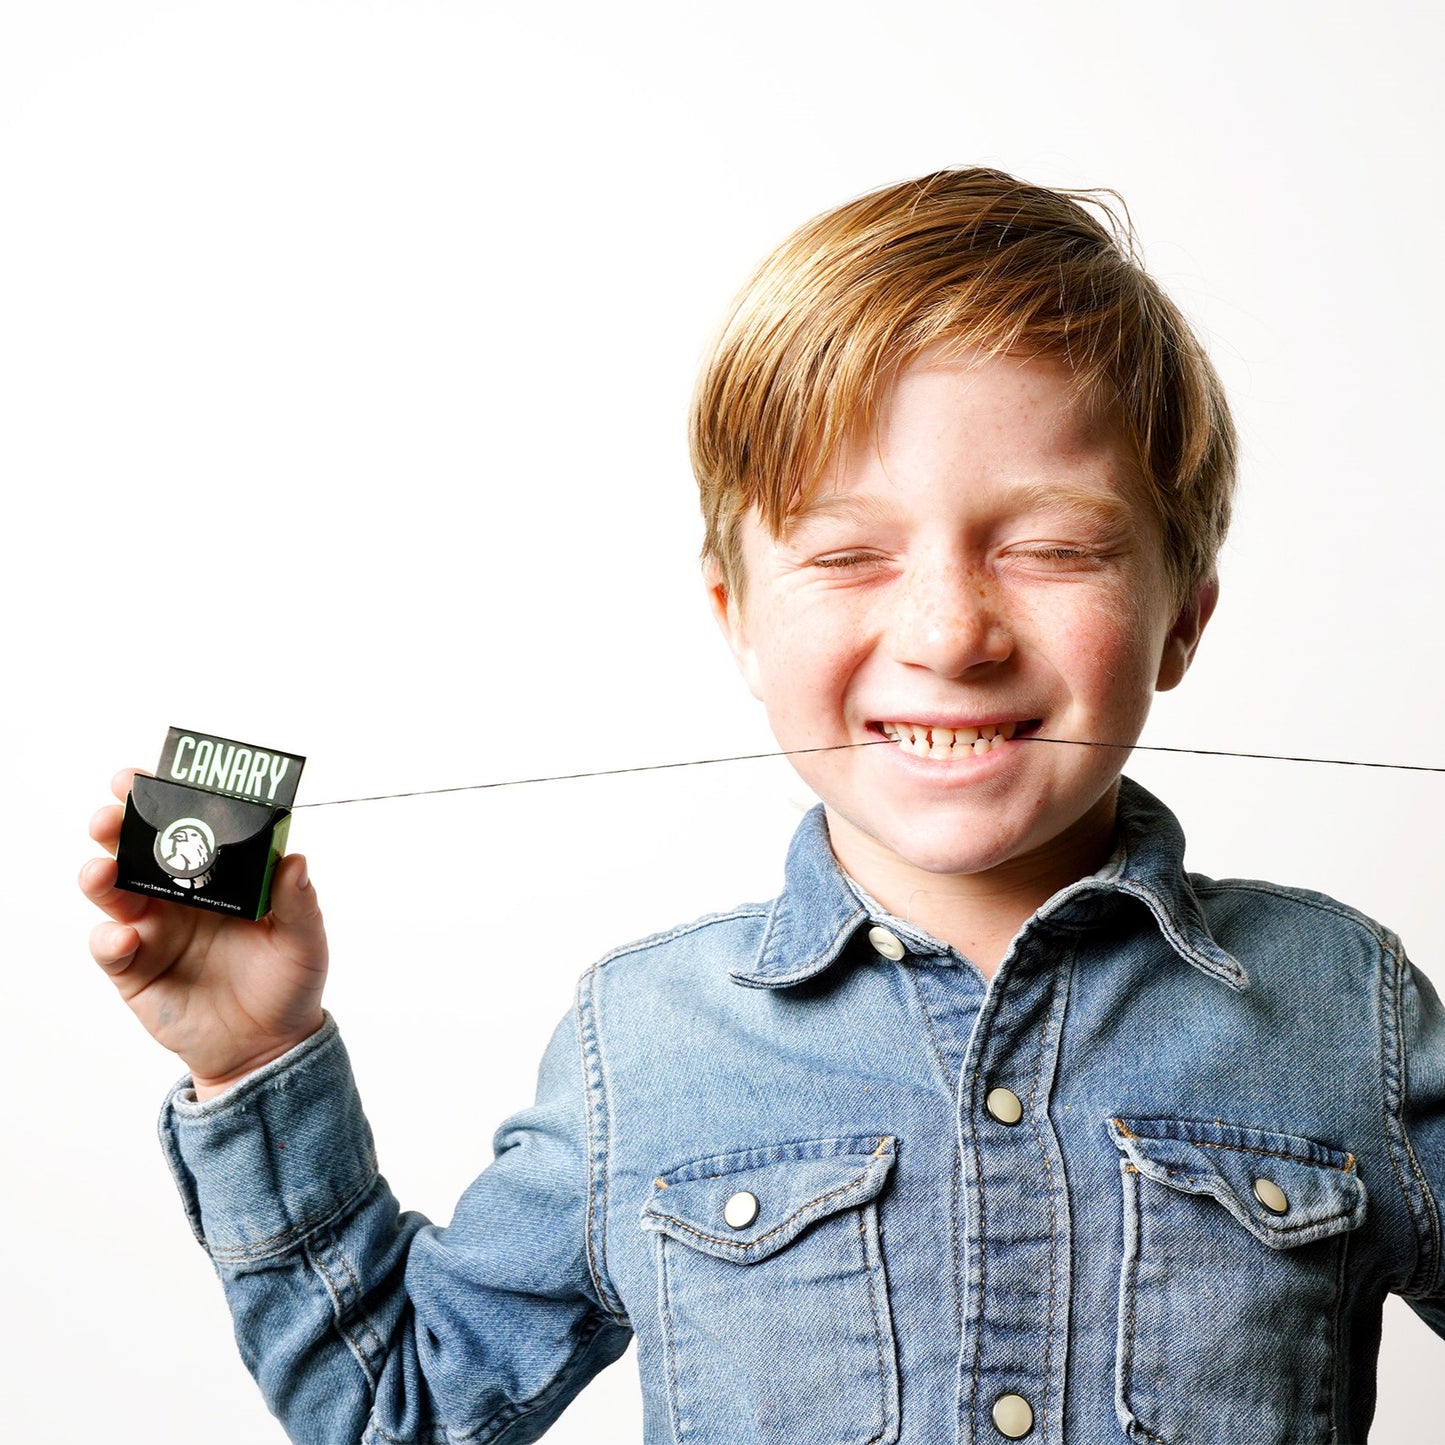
257	779
178	768
220	766
240	767
203	756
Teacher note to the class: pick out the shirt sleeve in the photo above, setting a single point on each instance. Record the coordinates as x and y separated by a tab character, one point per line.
361	1323
1420	1149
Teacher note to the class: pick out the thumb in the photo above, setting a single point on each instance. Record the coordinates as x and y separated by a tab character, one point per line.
293	899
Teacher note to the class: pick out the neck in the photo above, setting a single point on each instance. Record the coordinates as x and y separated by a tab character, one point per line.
979	914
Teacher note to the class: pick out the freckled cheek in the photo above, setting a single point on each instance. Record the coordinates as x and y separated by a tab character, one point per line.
1114	659
1090	615
808	662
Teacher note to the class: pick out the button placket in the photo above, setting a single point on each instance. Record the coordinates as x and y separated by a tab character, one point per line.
1016	1205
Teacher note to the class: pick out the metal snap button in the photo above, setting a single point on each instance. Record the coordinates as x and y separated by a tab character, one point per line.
886	942
1013	1416
740	1210
1003	1105
1271	1196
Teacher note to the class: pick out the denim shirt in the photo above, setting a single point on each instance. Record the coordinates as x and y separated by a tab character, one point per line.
1152	1182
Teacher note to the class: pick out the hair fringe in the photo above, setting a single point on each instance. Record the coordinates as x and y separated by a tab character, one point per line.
972	260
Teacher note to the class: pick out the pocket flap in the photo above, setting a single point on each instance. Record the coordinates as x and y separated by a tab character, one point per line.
792	1186
1315	1190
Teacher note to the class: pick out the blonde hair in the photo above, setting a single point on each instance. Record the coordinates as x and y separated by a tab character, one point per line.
972	260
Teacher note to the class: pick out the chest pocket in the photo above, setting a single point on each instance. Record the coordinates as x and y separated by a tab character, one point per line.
1234	1254
774	1297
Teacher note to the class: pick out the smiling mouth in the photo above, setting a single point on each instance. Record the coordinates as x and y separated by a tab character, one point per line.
925	741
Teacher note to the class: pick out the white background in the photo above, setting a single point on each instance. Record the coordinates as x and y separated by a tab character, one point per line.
344	354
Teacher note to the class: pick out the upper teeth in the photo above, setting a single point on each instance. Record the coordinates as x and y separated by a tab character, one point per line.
936	742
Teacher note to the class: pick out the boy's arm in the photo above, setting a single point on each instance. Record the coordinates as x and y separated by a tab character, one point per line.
361	1323
1419	1068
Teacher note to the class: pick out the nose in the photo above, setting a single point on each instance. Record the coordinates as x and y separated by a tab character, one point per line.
949	619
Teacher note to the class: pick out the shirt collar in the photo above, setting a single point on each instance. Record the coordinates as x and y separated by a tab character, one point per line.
816	915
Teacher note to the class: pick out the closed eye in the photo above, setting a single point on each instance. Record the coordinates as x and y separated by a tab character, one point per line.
844	559
1081	554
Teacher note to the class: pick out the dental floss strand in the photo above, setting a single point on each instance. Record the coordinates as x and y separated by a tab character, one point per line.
876	742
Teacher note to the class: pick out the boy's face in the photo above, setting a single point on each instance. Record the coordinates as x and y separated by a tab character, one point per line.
987	561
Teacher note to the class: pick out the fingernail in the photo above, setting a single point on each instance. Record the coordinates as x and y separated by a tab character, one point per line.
303	879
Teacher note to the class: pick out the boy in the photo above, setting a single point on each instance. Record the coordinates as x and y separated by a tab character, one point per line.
996	1124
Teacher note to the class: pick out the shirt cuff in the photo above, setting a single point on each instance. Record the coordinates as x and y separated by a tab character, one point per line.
285	1151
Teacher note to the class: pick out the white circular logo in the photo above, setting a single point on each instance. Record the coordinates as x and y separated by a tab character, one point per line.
186	849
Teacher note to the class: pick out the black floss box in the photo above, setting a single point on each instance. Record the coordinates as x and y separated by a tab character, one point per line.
208	829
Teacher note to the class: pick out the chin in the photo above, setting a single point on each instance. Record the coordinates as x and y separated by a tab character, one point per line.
951	851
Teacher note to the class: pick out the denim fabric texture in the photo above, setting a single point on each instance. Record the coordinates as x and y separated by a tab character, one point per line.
774	1155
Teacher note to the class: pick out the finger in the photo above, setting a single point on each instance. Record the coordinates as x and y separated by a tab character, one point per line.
97	882
113	946
293	899
120	784
105	826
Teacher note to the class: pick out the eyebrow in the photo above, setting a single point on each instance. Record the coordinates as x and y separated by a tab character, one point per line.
1109	507
1090	504
836	504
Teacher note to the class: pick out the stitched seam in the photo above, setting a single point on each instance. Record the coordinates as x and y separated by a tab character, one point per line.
263	1248
715	1166
1132	1204
1205	1181
823	958
362	1327
669	1345
592	1129
1335	1332
981	1023
657	940
237	1100
1316	902
1346	1168
604	1160
957	1169
598	1135
1053	1207
1164	921
1390	1028
736	1245
877	1331
1427	1266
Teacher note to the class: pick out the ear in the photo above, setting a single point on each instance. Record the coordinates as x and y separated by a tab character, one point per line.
1183	638
727	611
